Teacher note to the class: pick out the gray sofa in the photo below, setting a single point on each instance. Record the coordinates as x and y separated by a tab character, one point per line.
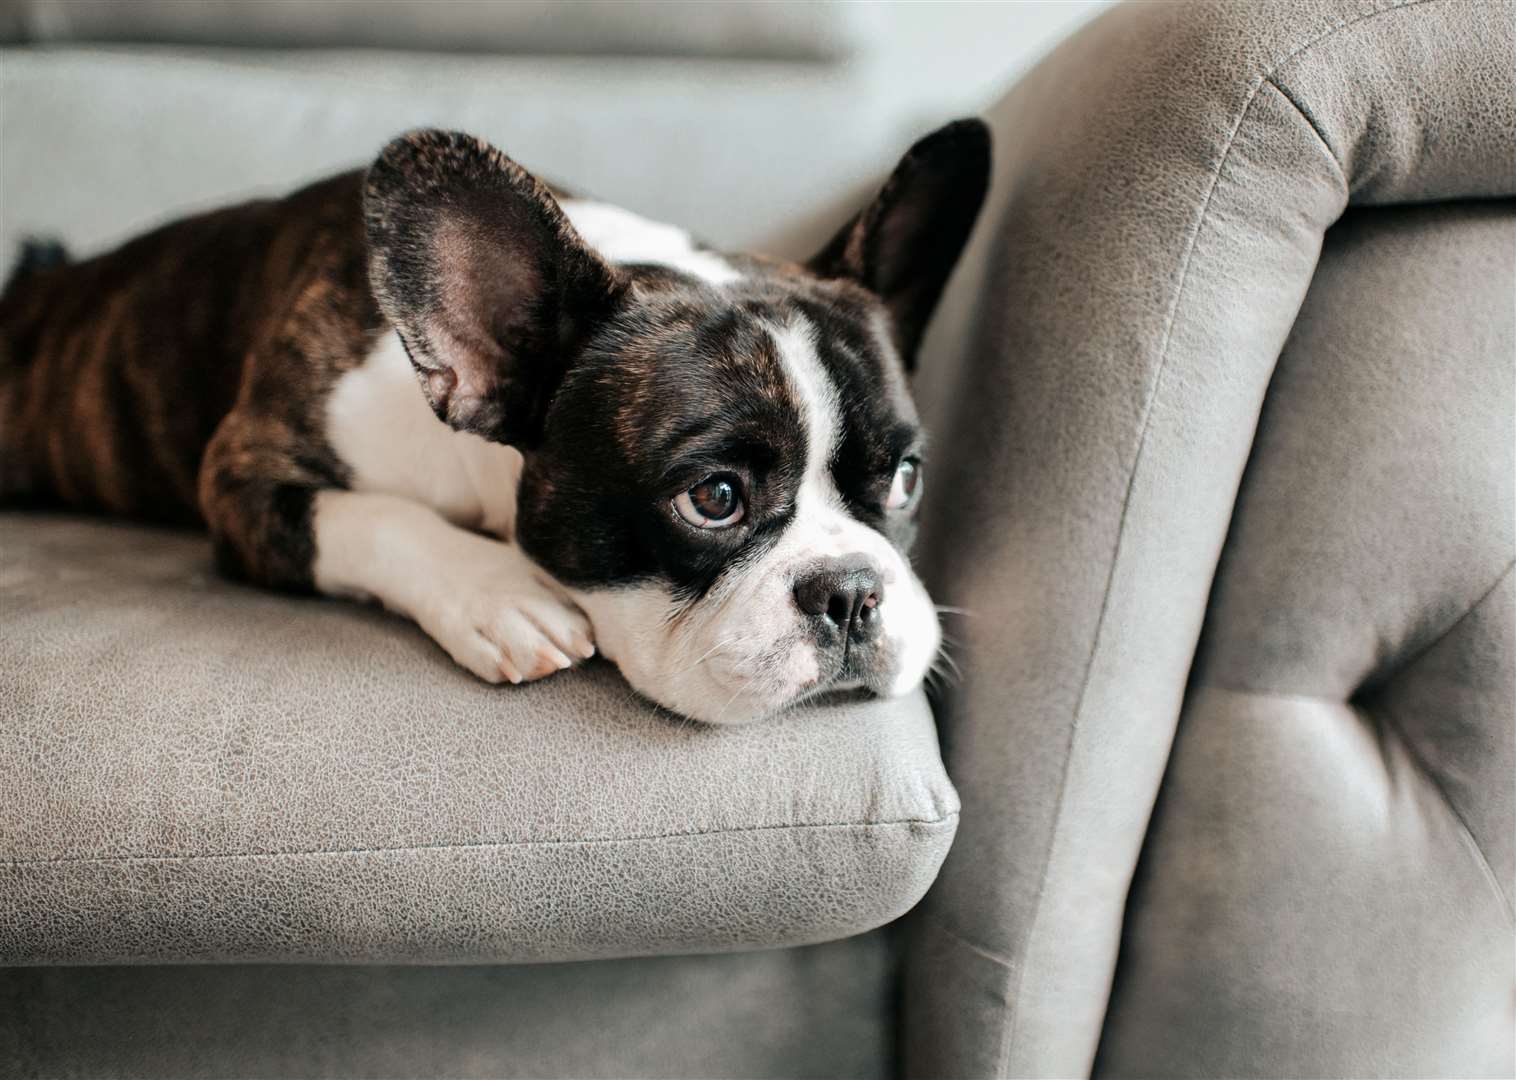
1223	478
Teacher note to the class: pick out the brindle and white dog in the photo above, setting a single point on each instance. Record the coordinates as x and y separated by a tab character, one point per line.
707	465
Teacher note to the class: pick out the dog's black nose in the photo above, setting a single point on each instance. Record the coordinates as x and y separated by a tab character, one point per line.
843	596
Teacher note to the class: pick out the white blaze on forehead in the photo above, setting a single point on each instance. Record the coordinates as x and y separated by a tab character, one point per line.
817	397
823	527
621	236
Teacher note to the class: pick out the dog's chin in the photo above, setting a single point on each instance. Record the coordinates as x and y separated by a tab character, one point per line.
726	692
738	670
738	700
723	691
743	701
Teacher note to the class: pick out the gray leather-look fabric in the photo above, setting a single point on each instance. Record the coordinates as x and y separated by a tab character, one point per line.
822	1011
1163	184
1326	886
199	771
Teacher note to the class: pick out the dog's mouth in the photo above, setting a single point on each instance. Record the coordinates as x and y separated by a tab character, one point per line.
751	650
856	675
838	693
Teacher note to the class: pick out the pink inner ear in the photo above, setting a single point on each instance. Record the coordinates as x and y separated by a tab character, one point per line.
475	361
491	287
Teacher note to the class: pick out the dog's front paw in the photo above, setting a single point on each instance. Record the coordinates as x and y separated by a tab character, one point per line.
507	625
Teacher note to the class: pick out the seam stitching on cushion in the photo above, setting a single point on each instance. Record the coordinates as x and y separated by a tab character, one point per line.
936	924
1465	833
1009	1038
1387	717
482	845
1311	123
1370	689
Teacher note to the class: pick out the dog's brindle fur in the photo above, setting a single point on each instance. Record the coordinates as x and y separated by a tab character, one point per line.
185	376
182	377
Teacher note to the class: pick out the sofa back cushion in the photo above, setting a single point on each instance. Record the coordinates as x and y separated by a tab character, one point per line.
786	31
1326	887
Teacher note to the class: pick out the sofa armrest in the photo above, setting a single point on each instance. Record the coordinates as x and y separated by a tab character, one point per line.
1163	184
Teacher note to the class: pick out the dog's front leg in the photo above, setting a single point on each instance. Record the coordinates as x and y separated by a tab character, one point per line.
278	518
493	610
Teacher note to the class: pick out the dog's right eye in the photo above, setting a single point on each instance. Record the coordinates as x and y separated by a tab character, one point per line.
906	485
714	503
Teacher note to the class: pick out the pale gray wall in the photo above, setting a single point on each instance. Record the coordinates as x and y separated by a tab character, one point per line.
100	142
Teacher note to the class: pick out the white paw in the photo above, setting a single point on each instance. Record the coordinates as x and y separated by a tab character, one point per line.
505	620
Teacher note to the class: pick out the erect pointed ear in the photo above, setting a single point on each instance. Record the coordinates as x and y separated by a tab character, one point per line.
477	268
903	245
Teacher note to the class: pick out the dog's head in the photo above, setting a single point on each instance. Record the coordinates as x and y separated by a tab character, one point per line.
722	460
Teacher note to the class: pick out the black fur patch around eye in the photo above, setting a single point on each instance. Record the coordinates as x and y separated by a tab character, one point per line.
684	381
680	383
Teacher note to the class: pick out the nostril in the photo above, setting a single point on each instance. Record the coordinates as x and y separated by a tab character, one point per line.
813	595
843	596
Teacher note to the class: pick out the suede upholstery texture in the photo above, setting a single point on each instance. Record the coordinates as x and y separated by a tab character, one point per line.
1224	403
221	807
1341	786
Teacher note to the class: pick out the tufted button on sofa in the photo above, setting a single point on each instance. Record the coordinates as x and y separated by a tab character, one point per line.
1328	873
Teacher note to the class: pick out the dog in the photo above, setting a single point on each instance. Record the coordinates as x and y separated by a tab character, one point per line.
534	424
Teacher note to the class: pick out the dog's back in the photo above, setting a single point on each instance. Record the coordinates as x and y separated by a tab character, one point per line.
115	371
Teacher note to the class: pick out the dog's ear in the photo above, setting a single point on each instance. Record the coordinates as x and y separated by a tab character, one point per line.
477	268
903	245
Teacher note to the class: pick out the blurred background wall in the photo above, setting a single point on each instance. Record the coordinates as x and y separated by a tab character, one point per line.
758	125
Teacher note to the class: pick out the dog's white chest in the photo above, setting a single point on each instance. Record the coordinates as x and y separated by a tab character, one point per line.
379	424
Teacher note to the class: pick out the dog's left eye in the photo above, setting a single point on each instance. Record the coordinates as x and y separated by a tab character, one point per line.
906	487
714	503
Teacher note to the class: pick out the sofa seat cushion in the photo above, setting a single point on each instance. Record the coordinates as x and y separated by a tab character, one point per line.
197	770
